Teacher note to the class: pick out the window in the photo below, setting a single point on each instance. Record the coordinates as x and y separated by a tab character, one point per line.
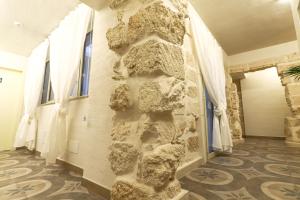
81	84
86	63
47	92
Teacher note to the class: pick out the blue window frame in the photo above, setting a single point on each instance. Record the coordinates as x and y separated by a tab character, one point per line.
86	64
47	92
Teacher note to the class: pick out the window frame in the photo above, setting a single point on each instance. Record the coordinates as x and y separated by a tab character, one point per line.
49	88
80	68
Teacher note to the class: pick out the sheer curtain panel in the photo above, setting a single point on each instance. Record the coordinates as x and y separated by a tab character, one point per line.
26	133
210	59
66	47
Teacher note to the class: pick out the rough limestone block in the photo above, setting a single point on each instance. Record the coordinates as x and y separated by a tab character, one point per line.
292	121
158	167
193	144
159	132
161	96
120	100
157	19
122	130
293	89
122	157
155	57
113	4
191	122
154	19
117	36
125	190
172	190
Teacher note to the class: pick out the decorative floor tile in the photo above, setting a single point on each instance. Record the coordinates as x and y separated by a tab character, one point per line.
241	194
24	176
251	172
210	176
285	170
281	190
227	161
269	170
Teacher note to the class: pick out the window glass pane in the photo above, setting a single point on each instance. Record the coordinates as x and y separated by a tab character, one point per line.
46	83
51	94
86	63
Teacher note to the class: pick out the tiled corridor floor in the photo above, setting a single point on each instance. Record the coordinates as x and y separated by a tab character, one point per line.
258	169
24	176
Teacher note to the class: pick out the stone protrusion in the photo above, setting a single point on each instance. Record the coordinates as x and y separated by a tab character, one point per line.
154	57
158	167
113	4
122	130
159	132
193	144
165	95
172	190
157	19
117	36
125	190
123	157
120	98
154	19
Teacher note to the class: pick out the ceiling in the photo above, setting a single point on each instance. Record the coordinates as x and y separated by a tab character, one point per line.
37	19
244	25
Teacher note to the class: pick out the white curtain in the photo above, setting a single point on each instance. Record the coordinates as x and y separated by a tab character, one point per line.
66	48
26	133
210	57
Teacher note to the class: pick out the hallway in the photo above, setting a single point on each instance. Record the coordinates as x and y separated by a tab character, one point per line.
260	169
25	176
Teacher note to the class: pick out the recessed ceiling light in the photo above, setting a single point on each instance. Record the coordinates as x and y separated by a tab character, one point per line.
18	24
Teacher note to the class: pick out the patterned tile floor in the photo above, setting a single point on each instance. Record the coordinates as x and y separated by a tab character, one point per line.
258	169
24	176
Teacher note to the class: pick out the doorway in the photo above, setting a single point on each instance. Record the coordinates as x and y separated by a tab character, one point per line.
11	92
264	104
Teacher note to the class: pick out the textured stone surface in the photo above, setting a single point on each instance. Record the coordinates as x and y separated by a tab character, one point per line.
117	36
120	100
155	57
121	130
158	167
191	122
173	189
154	19
181	5
161	96
193	144
123	157
125	190
157	19
160	132
116	3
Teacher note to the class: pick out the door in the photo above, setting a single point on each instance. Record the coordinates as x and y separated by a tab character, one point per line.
209	116
11	98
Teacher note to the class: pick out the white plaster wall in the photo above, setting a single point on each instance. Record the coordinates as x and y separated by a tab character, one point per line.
12	67
12	61
264	53
92	136
264	103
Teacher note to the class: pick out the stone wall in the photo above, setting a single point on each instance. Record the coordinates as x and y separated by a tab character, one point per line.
237	82
292	95
292	90
233	110
155	98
